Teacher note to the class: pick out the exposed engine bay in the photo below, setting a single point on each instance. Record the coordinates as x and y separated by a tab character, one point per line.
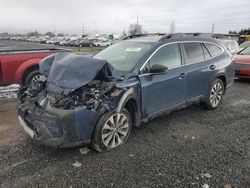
89	96
97	93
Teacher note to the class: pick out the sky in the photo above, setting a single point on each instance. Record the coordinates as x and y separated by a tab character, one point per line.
113	16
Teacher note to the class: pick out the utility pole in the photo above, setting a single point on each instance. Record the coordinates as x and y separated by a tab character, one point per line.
212	29
54	29
82	28
172	27
137	19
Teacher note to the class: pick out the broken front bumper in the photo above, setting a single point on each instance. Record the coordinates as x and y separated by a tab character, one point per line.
56	127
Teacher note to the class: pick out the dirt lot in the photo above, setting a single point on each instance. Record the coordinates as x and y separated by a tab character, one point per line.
188	148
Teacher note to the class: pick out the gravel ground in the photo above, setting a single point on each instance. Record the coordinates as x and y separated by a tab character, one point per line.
189	148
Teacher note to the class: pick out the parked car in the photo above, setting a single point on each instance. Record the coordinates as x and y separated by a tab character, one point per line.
102	43
55	41
31	39
64	41
82	43
21	66
231	45
97	101
244	45
242	69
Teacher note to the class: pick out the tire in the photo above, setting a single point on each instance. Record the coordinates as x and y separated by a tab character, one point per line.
30	76
104	139
215	94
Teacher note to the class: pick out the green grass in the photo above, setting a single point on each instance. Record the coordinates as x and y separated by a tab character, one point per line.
87	49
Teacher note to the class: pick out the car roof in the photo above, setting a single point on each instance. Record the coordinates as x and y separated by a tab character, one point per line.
166	38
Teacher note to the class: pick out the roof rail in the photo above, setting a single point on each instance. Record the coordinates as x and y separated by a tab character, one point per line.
142	35
181	35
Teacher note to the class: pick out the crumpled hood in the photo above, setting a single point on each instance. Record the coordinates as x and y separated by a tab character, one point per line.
66	72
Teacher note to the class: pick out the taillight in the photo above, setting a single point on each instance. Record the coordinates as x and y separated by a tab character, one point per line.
0	71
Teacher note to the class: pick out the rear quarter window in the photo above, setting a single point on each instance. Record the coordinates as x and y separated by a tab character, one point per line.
194	52
213	49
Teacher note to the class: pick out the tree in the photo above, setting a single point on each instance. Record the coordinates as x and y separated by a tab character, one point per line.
50	34
135	29
34	33
60	35
232	32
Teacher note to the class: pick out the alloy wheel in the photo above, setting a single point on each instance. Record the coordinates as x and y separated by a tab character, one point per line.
115	130
216	94
35	79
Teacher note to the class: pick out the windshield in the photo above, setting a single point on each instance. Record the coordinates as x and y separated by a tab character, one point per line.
246	51
245	44
123	56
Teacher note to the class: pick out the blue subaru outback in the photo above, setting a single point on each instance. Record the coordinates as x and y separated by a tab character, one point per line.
97	100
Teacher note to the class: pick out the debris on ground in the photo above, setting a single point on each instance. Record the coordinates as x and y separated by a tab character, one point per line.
77	164
207	175
84	151
205	186
227	186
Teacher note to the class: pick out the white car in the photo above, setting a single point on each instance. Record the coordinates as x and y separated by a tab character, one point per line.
231	45
102	43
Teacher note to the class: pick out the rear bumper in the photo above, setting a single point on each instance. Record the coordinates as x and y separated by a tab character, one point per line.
242	70
56	127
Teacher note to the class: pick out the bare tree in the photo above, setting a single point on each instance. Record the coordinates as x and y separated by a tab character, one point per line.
124	33
135	29
50	34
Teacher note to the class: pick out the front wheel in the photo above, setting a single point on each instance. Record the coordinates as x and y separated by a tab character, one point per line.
112	130
31	77
215	94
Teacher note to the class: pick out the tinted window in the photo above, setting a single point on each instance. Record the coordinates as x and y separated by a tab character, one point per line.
213	49
193	52
206	53
168	56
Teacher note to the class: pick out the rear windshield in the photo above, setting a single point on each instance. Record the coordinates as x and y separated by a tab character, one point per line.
123	56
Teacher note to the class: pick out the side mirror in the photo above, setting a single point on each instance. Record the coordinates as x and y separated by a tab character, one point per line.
158	68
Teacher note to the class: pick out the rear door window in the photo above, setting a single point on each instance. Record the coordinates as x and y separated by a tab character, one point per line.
193	51
213	49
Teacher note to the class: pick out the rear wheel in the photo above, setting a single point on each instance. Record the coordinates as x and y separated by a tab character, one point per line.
112	130
216	92
31	77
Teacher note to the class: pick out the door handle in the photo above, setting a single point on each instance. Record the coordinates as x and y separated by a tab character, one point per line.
212	67
182	75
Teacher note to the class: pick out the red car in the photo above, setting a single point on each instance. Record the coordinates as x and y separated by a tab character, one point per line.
242	69
21	66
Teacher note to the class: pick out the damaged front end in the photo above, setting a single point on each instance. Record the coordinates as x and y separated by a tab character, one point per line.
63	107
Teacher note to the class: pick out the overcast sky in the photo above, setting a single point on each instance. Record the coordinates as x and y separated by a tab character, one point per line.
111	16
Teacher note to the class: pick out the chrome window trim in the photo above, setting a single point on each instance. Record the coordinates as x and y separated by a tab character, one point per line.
183	61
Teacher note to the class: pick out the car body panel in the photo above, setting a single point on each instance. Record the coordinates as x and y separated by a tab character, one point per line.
162	91
15	63
242	66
